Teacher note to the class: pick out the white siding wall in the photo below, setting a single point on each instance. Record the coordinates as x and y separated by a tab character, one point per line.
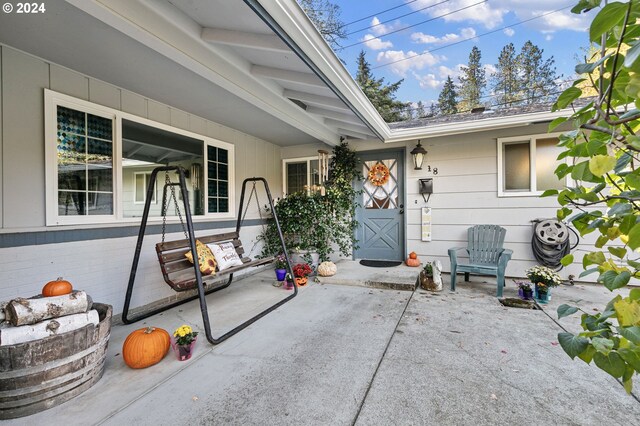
99	266
466	194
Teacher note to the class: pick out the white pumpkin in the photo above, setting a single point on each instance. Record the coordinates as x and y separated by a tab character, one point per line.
327	269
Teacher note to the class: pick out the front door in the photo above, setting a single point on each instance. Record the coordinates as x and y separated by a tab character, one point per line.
380	231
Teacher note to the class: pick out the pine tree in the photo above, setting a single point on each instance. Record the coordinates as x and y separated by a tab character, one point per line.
326	17
381	95
420	111
433	110
472	82
538	75
507	81
448	98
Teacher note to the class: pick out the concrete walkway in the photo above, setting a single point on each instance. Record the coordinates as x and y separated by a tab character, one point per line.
344	355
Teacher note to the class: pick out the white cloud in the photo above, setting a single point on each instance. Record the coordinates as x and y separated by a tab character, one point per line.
465	34
489	69
375	43
509	32
454	72
548	37
428	81
381	29
491	14
400	61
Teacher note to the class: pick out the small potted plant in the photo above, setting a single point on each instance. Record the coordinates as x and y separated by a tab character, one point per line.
524	290
543	278
281	267
183	342
301	272
426	277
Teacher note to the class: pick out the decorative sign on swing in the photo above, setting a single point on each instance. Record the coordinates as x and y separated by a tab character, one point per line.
426	223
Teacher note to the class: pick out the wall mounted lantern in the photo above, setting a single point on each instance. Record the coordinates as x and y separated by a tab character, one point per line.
418	154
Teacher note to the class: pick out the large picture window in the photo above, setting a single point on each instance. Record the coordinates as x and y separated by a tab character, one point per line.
526	165
99	164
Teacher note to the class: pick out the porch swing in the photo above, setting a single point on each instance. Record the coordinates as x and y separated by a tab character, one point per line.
177	270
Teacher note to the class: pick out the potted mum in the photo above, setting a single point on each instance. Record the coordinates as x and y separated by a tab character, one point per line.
184	339
544	279
302	272
281	267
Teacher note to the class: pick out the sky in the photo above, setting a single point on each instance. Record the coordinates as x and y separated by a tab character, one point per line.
389	38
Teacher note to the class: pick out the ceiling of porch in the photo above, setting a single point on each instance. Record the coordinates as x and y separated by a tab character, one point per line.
214	58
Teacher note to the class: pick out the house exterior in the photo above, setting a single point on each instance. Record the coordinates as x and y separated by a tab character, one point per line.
95	93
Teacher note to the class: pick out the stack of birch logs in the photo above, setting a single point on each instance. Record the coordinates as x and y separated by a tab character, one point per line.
26	320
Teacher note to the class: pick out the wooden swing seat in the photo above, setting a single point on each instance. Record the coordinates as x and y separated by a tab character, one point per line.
178	272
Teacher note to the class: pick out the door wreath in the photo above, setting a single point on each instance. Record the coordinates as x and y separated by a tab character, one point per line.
379	174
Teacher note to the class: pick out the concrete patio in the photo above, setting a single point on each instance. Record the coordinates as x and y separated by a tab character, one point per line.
345	355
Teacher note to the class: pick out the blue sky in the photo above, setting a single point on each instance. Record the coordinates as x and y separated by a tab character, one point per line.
561	34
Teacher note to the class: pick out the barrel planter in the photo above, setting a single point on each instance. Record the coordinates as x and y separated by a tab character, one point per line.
41	374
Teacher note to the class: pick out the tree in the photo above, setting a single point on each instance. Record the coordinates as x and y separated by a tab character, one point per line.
326	17
472	82
381	95
433	110
604	196
506	80
420	111
538	75
448	98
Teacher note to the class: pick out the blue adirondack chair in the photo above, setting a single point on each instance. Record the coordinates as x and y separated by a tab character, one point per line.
487	256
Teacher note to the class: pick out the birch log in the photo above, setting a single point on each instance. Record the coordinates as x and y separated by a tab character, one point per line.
30	311
10	335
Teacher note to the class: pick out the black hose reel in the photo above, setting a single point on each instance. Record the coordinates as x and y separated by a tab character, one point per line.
551	242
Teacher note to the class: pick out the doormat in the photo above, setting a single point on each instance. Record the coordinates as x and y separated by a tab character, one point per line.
380	263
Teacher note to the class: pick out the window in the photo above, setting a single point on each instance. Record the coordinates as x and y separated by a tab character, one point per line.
301	174
526	165
99	163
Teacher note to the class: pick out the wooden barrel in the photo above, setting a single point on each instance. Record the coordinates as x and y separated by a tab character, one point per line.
38	375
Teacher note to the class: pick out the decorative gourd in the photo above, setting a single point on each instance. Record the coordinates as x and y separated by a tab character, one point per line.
327	269
412	262
145	347
413	255
57	287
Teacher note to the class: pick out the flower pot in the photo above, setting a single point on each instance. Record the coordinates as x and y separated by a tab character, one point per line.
298	256
280	274
525	294
183	352
288	285
301	282
543	297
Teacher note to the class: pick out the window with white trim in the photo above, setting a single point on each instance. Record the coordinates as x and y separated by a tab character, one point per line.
99	162
300	174
526	165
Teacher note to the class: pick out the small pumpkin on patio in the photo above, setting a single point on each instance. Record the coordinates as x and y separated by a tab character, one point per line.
413	255
327	269
412	262
57	287
145	347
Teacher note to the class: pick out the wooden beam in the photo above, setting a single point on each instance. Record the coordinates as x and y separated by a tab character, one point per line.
305	78
342	116
245	39
349	126
353	134
315	99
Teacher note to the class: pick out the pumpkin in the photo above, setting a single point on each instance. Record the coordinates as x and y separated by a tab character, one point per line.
145	347
413	255
57	287
327	269
412	262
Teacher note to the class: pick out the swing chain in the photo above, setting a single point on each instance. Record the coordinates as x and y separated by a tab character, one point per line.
167	182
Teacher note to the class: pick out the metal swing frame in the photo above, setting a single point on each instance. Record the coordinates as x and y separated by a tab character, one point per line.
201	293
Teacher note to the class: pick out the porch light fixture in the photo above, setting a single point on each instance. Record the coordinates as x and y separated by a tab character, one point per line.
418	154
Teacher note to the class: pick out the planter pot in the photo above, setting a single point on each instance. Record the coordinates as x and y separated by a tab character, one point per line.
280	274
183	352
288	285
525	294
427	282
301	282
298	256
541	297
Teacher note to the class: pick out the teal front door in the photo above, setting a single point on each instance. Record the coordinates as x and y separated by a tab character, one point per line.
380	231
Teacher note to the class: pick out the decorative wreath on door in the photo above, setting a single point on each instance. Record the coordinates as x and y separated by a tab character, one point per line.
379	174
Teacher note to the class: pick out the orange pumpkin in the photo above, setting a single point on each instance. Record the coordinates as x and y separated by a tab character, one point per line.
413	255
57	288
412	262
145	347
